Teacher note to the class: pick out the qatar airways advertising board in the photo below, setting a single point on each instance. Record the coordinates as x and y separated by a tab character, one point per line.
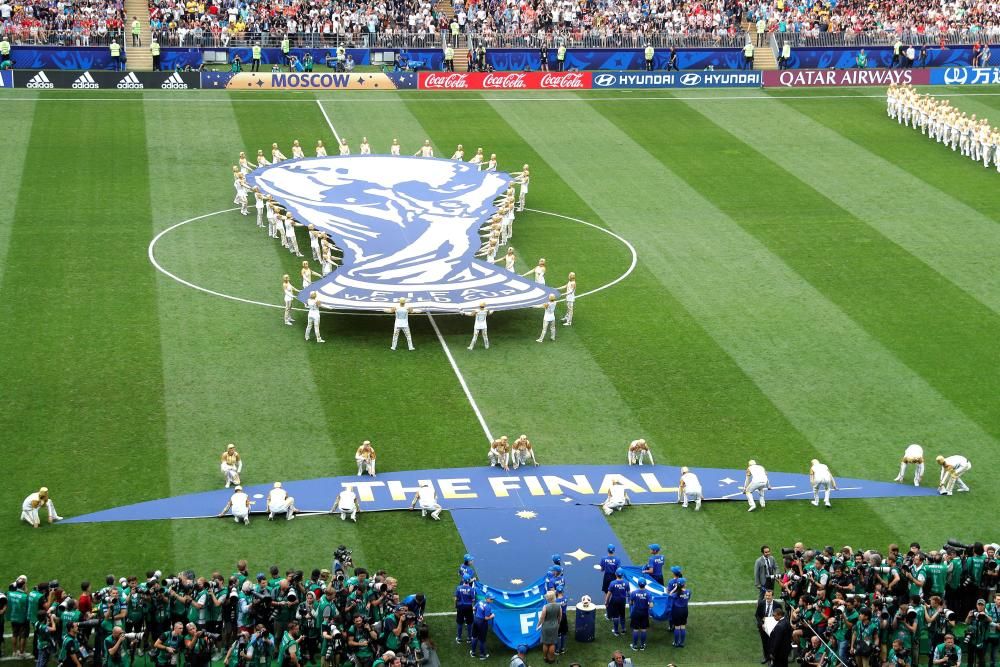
812	78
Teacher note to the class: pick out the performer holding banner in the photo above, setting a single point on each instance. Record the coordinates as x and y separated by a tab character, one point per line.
31	505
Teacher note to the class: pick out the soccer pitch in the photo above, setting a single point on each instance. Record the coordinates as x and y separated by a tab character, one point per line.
813	280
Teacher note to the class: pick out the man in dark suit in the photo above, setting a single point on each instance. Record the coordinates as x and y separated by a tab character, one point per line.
780	641
765	609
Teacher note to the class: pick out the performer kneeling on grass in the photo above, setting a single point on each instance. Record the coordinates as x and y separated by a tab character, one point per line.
34	501
365	458
232	465
279	501
914	454
638	450
402	314
346	503
240	504
480	325
499	454
522	452
689	489
312	320
426	496
617	498
821	477
549	318
952	469
756	480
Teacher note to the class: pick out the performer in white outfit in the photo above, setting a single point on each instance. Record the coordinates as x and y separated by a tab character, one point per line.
394	148
314	237
244	164
276	154
258	202
524	178
478	158
426	150
290	237
499	454
952	469
638	450
459	153
297	151
271	211
570	288
549	318
261	160
522	452
320	149
402	323
344	148
312	319
279	501
820	477
914	454
346	503
538	270
239	503
231	465
288	294
307	274
508	259
242	191
365	148
34	502
617	498
426	496
492	164
480	325
689	488
756	481
364	456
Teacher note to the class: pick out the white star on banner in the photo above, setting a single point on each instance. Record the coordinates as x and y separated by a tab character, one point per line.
526	514
543	529
567	499
517	582
498	540
726	480
580	554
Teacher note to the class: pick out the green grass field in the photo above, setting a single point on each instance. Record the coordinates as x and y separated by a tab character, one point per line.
813	280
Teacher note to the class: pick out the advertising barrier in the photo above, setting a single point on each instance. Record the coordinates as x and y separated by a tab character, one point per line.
504	80
309	80
102	80
961	76
804	78
6	79
677	80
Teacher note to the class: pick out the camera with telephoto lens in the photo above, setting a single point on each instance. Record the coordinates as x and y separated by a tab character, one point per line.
132	636
170	582
789	551
211	636
343	556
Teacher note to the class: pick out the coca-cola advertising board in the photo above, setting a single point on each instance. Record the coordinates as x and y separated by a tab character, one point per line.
504	80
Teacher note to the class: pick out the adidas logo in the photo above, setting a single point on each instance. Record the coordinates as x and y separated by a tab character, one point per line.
174	82
85	80
130	82
39	81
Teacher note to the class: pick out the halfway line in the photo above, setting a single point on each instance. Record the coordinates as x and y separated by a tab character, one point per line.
336	136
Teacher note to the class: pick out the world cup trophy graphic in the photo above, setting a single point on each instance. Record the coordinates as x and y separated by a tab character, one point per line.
407	226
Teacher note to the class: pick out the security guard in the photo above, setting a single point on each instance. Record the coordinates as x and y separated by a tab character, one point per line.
116	54
786	53
136	40
4	49
154	49
561	58
255	60
449	59
285	48
650	52
897	51
748	55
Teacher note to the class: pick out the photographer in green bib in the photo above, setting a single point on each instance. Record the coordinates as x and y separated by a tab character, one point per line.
288	651
169	647
977	627
70	654
865	640
197	646
46	634
261	650
119	647
993	634
111	614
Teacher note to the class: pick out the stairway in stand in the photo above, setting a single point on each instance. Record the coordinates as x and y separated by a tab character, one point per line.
461	52
763	56
139	57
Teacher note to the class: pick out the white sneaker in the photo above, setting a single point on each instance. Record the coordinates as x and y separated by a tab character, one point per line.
354	519
539	340
320	340
827	503
412	349
762	503
470	347
898	479
59	518
814	503
752	508
567	324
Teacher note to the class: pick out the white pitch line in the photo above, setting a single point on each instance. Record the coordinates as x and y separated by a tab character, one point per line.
461	379
337	136
809	493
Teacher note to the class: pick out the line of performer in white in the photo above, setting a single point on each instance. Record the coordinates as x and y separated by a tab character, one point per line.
506	455
937	119
952	469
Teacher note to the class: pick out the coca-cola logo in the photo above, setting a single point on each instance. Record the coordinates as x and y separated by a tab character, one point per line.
570	80
509	80
451	80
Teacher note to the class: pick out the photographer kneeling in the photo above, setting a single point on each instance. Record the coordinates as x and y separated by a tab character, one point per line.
977	626
198	646
118	647
948	653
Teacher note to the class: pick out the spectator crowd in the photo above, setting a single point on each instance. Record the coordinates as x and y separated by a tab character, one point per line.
67	22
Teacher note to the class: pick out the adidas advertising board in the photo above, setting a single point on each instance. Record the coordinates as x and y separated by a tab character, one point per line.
103	80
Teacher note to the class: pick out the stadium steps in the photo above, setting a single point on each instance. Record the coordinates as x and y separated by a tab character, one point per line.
764	57
139	58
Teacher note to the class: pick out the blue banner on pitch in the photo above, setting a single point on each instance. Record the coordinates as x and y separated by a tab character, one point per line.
961	76
677	80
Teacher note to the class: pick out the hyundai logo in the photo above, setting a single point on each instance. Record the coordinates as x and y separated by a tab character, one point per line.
955	76
605	80
690	79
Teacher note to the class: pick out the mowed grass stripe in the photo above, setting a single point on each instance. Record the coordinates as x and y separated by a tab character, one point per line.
935	204
888	291
83	389
18	136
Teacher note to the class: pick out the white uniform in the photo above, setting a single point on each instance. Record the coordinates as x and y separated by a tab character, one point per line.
259	205
692	490
638	456
279	501
345	149
523	180
757	481
348	505
297	152
394	149
509	262
548	320
498	457
291	238
491	165
521	457
822	478
314	245
914	454
402	324
616	499
480	327
240	507
426	151
458	155
277	156
321	151
365	464
312	321
272	230
428	503
231	471
476	159
30	514
539	274
959	466
570	302
365	149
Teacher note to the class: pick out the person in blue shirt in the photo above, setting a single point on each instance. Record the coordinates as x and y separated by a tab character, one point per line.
609	565
563	602
557	559
482	614
466	570
614	602
465	598
679	596
416	603
554	578
639	602
654	566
